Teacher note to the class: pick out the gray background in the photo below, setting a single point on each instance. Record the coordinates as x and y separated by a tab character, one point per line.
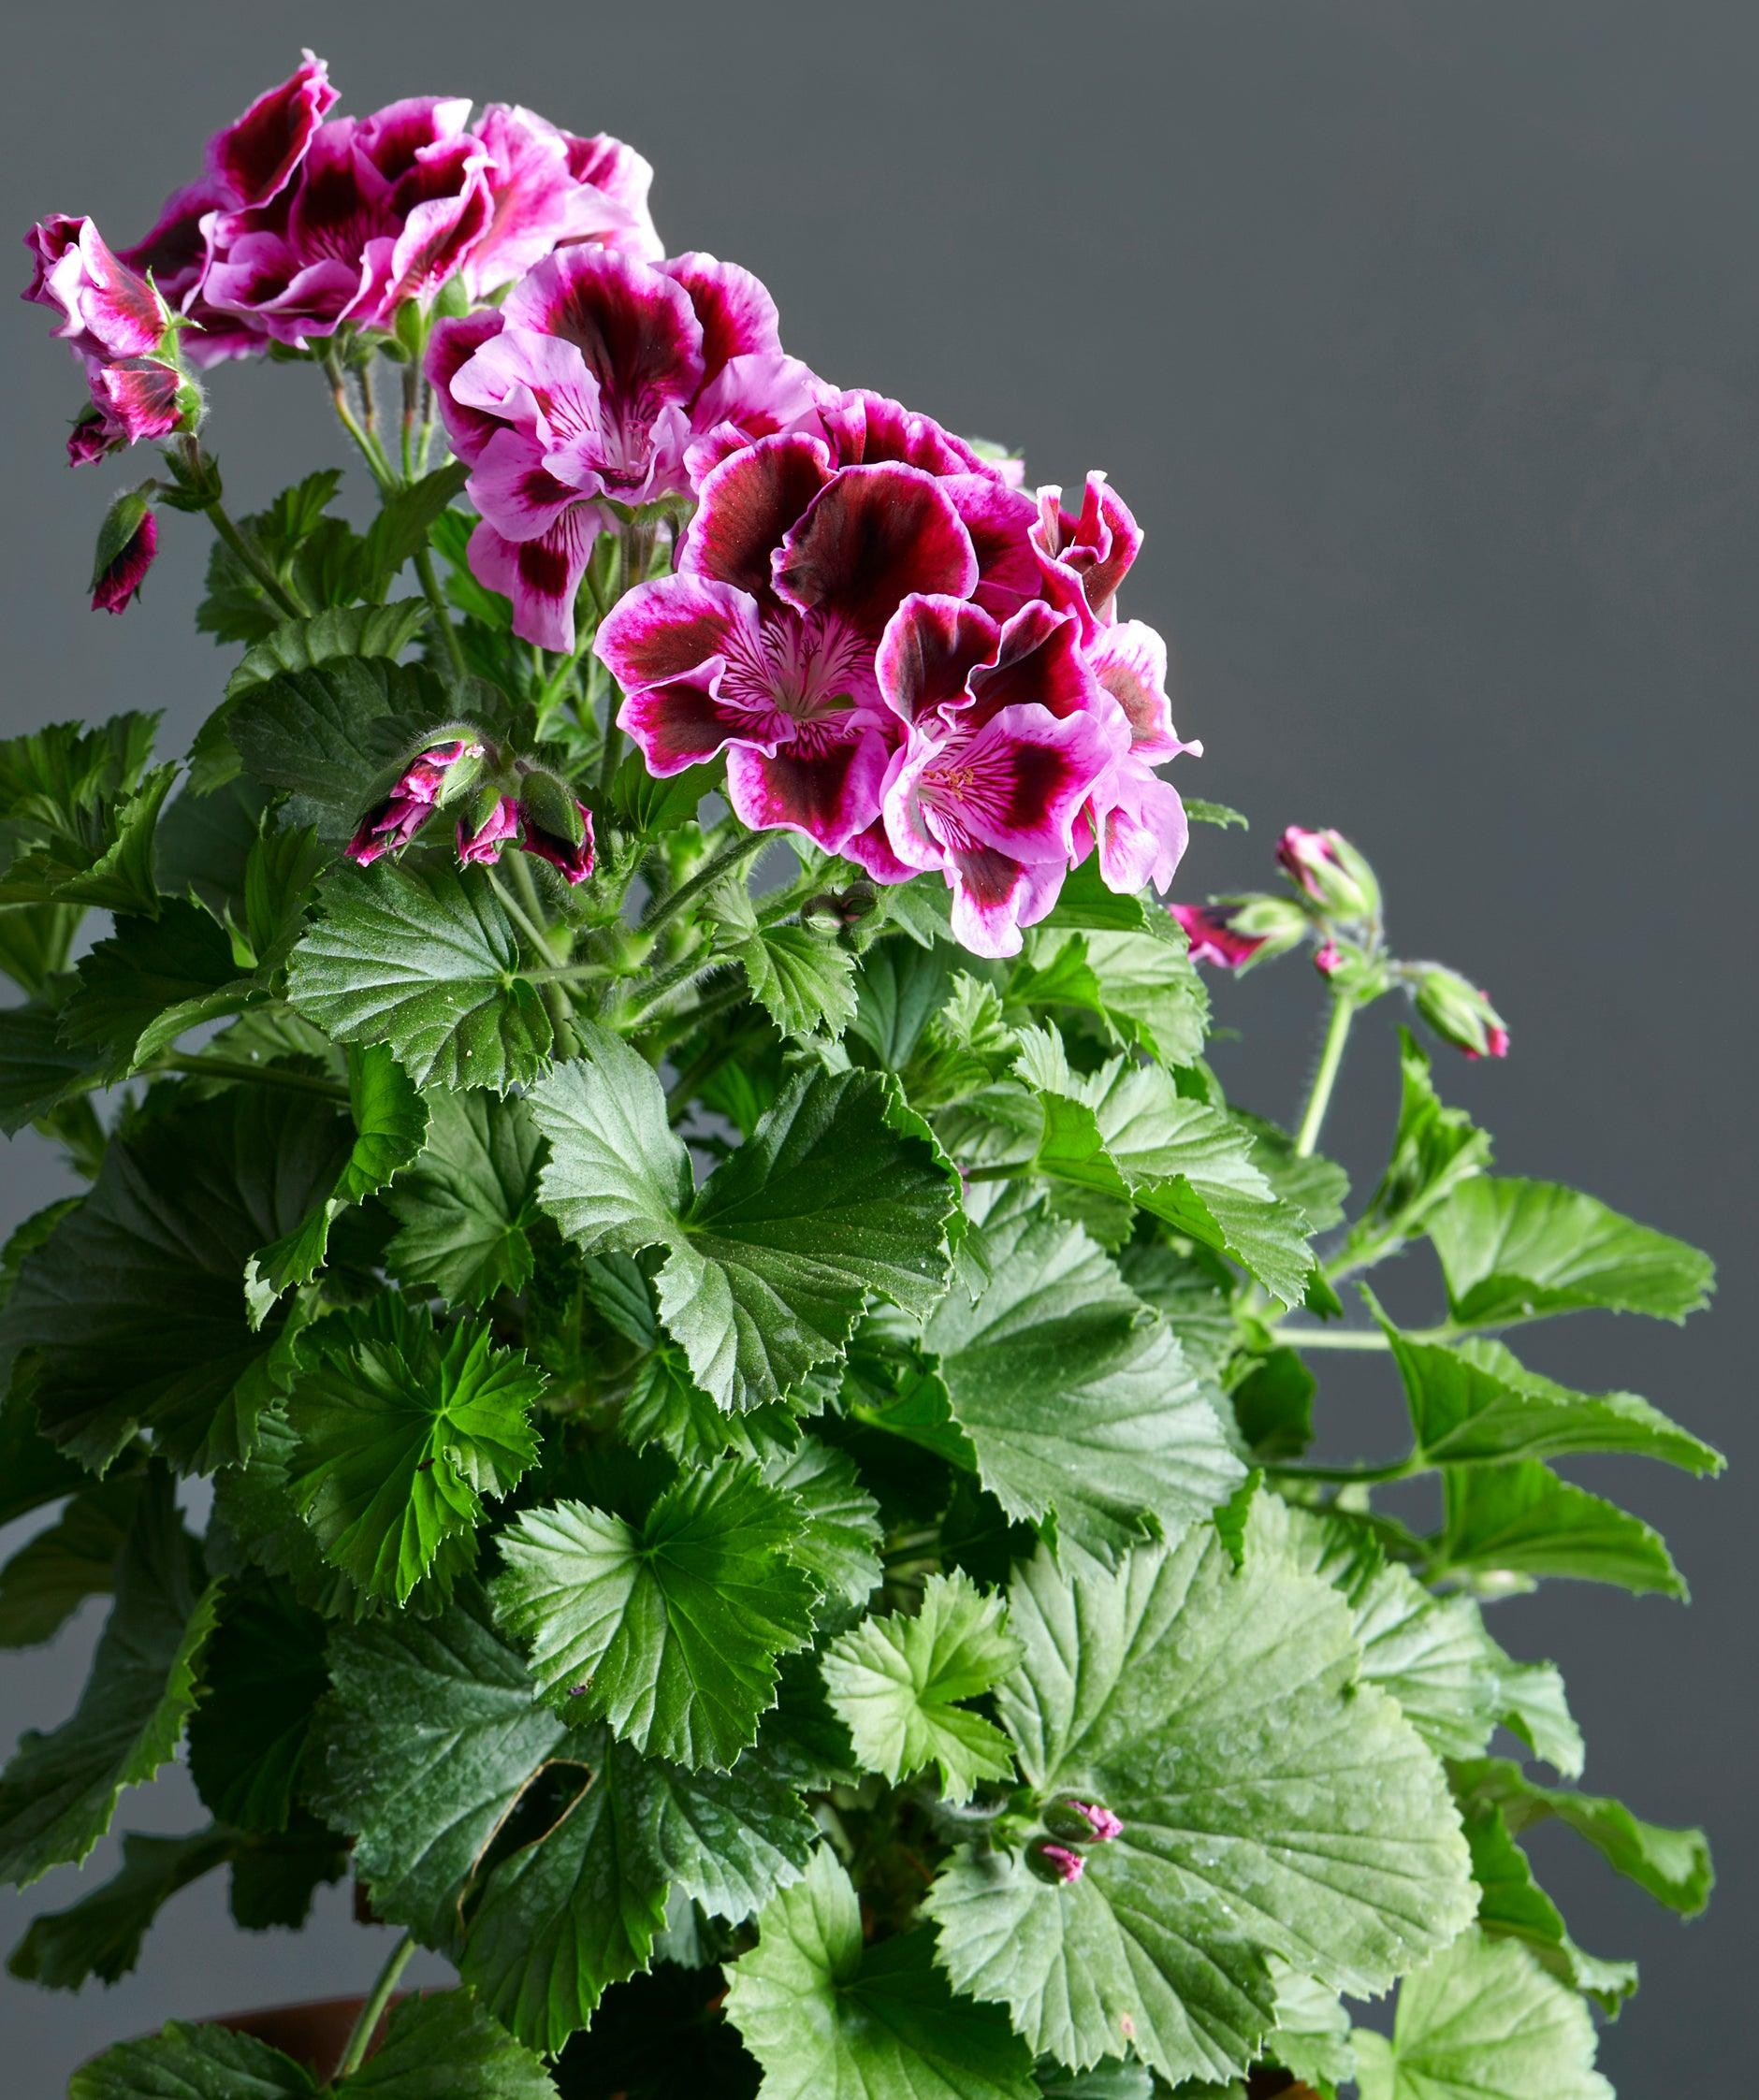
1423	338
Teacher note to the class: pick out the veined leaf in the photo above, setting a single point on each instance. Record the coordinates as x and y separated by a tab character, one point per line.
264	1673
401	1433
1512	1905
1271	1805
669	1629
1140	985
467	1206
1521	1519
101	1935
897	1684
185	2063
1483	2022
53	1573
60	1791
838	1543
824	2015
834	1198
1074	1395
1434	1149
425	961
37	1070
36	943
143	987
131	1314
443	2043
1519	1250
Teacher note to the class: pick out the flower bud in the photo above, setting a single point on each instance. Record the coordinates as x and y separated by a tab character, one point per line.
1237	932
1328	869
1458	1012
1055	1863
493	821
390	824
554	825
1082	1822
126	543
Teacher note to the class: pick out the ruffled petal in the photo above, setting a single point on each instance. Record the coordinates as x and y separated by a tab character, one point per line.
872	537
999	520
995	897
514	491
748	505
930	648
540	577
636	329
672	626
1083	559
865	429
690	719
1129	659
1142	827
824	781
452	346
1039	660
736	313
255	156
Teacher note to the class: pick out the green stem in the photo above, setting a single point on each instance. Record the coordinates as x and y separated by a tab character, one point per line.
660	989
523	918
742	849
673	1026
1354	1476
243	551
360	2040
368	445
1325	1079
441	613
998	1170
1372	1337
203	1065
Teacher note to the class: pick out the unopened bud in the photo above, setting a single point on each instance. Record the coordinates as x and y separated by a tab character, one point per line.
493	822
1326	867
1055	1863
554	825
126	543
1082	1822
1460	1012
1237	932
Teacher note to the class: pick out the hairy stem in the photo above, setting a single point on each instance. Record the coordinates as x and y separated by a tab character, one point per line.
1362	1476
245	551
442	612
372	2011
743	848
205	1064
1325	1079
366	444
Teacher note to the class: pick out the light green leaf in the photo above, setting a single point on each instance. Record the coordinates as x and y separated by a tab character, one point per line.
1479	1404
390	1123
833	1198
1483	2022
425	961
1076	1397
60	1791
669	1629
431	1735
53	1573
1270	1805
1512	1905
328	736
131	1315
728	1841
665	1407
101	855
467	1207
444	2046
899	988
1519	1250
1312	2037
1537	1709
184	2063
1521	1519
896	1683
830	2020
1671	1865
802	981
1434	1149
401	1433
837	1544
1140	985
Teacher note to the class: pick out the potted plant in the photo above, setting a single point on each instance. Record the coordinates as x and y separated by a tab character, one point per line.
646	1130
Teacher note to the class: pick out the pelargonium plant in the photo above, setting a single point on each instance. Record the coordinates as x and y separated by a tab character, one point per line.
648	1146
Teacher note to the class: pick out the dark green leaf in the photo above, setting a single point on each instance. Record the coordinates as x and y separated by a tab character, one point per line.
264	1673
181	2063
467	1207
403	522
51	1576
446	2047
37	1070
36	943
101	1934
141	989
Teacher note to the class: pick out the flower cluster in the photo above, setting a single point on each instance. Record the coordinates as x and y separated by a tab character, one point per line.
531	809
911	662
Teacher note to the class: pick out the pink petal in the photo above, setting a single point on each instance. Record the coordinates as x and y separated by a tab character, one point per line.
824	781
748	502
689	719
930	648
869	539
514	491
999	520
672	626
1142	827
452	346
1039	660
1129	660
253	159
750	397
868	429
540	577
635	328
1083	559
737	315
994	897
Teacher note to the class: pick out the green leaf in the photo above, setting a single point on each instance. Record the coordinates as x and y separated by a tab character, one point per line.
1075	1396
1671	1865
825	2015
390	1125
184	2063
469	1204
1478	1404
1312	2037
402	1432
60	1791
1519	1250
896	1683
669	1629
444	2046
835	1196
1512	1905
1483	2022
36	943
1274	1405
53	1573
264	1673
431	1735
32	1470
838	1543
141	989
37	1070
664	1407
1202	812
1126	1132
1521	1519
131	1315
1142	985
1537	1709
1271	1807
1434	1149
1318	1187
302	645
804	981
101	1934
80	808
727	1841
899	988
326	737
426	962
405	517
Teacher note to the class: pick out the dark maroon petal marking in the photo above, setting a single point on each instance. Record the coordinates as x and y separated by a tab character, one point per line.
253	158
736	313
872	537
868	429
748	502
930	648
1039	660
